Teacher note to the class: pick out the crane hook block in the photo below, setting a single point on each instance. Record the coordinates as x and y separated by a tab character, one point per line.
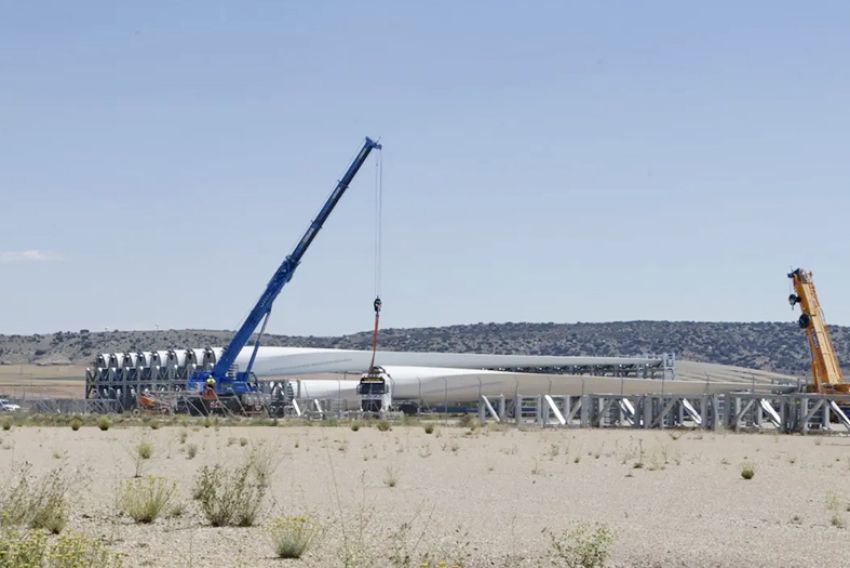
377	304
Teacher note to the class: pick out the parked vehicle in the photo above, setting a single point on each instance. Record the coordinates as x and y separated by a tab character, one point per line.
6	406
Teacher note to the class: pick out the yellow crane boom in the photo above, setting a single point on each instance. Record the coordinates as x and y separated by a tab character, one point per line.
827	376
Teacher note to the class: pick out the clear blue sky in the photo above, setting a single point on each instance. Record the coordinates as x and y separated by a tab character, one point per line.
544	161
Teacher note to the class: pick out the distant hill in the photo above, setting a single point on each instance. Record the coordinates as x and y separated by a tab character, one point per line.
768	346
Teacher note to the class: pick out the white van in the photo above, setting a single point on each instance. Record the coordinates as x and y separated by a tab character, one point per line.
6	406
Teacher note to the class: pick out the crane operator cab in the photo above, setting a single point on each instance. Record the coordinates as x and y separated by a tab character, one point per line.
375	391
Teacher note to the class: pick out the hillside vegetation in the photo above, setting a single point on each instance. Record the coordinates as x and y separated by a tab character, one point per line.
768	346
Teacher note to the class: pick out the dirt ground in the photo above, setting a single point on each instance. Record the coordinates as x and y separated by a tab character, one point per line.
487	497
27	382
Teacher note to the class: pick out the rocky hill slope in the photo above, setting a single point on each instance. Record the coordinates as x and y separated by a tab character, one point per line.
768	346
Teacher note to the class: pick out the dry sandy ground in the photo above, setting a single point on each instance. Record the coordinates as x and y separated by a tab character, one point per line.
687	506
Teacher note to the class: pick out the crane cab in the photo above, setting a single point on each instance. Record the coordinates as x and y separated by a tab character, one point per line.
375	391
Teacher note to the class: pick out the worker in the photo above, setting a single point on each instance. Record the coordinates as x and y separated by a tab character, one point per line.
209	391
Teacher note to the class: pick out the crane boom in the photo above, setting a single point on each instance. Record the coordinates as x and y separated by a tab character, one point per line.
284	273
827	376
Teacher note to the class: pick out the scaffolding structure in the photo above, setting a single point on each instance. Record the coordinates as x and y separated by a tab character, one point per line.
120	380
789	413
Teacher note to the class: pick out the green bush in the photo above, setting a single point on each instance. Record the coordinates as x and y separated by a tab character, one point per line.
262	465
291	537
7	425
145	450
355	426
429	428
103	423
177	510
76	423
748	471
581	547
383	426
144	500
229	497
22	550
32	549
36	504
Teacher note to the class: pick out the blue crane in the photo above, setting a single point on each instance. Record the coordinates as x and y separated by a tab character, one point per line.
228	383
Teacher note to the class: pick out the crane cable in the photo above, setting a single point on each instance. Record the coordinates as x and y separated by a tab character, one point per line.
376	304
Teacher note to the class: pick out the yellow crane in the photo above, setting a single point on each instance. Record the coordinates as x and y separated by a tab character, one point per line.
827	377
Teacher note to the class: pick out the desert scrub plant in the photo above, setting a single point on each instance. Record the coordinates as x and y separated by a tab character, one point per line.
262	465
140	454
104	423
390	477
355	426
143	500
291	537
76	423
38	504
32	549
22	550
191	451
383	426
48	505
466	420
227	496
583	546
78	550
7	425
748	471
429	428
833	503
144	450
177	510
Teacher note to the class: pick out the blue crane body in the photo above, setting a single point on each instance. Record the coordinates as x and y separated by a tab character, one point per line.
227	383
